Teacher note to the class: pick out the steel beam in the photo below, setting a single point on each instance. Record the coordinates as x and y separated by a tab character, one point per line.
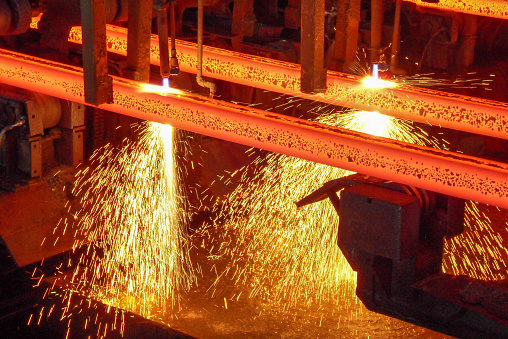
376	29
459	112
98	88
312	57
346	35
244	18
138	40
440	171
490	8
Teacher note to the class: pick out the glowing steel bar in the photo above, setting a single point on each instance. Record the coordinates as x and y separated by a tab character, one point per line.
491	8
453	111
440	171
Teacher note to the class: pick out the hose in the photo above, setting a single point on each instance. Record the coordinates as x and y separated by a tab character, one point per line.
6	129
199	78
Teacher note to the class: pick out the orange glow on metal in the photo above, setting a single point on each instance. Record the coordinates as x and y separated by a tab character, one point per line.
371	82
440	171
162	90
491	8
453	111
463	113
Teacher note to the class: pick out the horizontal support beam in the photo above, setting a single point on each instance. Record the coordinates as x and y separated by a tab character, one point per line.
458	112
427	168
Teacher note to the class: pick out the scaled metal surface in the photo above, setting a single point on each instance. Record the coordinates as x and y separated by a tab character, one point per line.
435	170
459	112
491	8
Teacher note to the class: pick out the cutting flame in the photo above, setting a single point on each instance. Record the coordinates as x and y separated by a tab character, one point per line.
165	83
162	90
372	82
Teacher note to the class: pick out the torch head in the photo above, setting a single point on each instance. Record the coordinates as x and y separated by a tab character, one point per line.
174	67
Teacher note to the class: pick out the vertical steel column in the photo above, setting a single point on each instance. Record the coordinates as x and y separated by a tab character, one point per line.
162	31
394	60
313	76
292	14
376	29
243	18
468	32
138	40
98	85
346	35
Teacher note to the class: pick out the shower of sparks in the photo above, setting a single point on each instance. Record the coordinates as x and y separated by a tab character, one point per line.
291	253
471	80
479	252
436	82
133	214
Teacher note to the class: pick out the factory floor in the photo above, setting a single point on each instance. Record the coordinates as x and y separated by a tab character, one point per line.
214	308
204	313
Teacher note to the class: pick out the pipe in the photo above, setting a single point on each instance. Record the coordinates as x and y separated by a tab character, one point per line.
175	68
394	60
6	129
439	171
162	30
490	8
199	76
459	112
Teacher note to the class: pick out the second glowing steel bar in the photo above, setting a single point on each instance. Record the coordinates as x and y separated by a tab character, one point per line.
439	171
448	110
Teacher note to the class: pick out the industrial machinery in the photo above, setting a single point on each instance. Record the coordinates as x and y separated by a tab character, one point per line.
73	76
392	235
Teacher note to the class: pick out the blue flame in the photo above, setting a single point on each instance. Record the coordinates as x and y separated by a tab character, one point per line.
165	83
375	71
